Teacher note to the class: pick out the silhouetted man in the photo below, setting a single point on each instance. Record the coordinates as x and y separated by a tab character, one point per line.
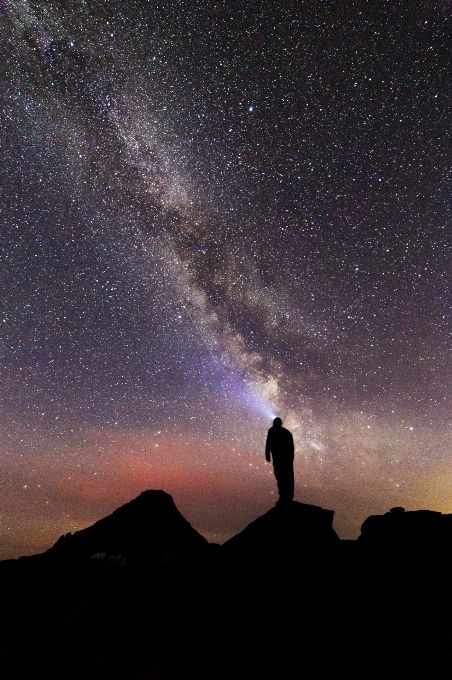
280	446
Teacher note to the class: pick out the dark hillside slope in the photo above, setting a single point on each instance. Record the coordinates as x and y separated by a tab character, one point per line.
149	527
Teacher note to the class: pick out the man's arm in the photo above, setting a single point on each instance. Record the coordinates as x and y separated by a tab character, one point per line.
267	449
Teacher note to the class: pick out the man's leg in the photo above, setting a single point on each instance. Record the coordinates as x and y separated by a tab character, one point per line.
290	483
285	479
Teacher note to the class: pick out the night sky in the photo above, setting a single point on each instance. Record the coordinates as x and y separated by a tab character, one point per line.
213	213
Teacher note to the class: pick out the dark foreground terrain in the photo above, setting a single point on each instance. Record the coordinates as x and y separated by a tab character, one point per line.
283	599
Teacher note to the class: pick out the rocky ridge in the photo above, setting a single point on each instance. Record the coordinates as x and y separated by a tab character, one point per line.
141	595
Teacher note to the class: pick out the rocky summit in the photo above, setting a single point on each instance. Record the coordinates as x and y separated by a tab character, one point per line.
285	530
149	527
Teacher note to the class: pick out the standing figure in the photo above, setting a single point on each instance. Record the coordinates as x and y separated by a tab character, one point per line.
279	447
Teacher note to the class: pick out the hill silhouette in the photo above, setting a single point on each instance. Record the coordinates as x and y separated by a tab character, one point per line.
149	527
284	598
285	530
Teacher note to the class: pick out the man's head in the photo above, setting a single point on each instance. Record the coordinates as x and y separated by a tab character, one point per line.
277	422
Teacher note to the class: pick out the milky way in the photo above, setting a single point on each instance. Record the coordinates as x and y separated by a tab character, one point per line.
213	213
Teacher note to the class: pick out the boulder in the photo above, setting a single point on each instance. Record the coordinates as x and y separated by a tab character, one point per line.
400	530
284	531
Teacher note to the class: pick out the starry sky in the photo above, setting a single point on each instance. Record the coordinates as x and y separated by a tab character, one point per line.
212	213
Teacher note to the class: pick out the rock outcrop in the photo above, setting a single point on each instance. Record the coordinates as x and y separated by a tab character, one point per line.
149	527
400	530
284	531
